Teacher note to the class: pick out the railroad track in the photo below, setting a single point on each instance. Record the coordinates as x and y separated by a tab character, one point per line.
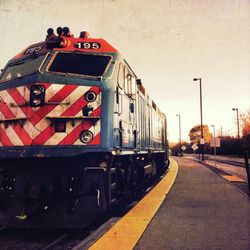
226	161
16	239
234	163
46	240
56	242
28	239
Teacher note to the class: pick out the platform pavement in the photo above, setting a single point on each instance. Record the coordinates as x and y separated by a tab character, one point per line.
201	211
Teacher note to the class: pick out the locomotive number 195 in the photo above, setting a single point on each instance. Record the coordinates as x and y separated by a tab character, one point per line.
85	45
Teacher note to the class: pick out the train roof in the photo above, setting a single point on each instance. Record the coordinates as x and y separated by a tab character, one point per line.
65	41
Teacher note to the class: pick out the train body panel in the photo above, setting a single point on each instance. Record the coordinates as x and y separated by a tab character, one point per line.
78	132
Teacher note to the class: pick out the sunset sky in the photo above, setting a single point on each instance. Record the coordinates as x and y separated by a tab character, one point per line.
167	43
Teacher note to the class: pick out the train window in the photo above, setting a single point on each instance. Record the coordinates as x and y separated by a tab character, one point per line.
121	76
130	83
126	80
133	86
118	98
80	64
22	68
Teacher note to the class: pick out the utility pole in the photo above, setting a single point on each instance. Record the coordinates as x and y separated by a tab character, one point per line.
202	137
238	124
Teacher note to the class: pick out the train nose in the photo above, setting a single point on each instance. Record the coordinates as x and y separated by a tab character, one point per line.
49	114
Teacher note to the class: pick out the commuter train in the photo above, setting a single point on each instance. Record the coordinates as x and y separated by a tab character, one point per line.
78	133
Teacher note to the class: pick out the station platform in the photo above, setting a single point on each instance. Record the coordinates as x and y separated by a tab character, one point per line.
201	210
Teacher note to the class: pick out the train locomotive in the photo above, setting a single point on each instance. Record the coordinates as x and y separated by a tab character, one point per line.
78	133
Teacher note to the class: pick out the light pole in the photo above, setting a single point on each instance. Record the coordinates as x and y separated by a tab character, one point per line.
214	141
179	130
238	125
202	138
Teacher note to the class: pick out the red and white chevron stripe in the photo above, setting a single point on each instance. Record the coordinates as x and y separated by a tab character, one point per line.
22	125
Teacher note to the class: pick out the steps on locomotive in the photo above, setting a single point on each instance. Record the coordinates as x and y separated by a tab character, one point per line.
113	187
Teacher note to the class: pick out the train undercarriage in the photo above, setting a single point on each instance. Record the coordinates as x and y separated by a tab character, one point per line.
71	192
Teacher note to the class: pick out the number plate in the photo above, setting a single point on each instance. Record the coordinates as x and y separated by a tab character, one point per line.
90	45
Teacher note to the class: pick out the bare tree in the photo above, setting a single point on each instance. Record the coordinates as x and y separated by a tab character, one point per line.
245	122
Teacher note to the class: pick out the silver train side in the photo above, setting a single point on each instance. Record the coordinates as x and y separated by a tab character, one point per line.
74	140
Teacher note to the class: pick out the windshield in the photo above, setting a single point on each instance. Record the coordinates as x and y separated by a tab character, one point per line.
19	69
80	64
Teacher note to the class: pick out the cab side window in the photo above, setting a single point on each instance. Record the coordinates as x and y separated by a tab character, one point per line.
121	76
126	80
130	83
133	85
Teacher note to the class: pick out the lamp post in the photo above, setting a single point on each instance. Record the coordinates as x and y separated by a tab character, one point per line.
179	130
202	138
214	142
238	126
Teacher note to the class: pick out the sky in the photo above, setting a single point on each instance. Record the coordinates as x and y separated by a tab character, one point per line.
166	42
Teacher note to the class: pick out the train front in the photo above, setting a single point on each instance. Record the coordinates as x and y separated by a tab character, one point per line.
51	145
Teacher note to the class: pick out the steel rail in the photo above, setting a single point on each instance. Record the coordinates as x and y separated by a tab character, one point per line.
55	242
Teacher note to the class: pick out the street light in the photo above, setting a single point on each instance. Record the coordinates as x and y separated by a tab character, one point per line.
202	138
214	142
179	130
238	126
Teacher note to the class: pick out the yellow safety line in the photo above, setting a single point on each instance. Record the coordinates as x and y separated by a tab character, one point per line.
128	230
233	178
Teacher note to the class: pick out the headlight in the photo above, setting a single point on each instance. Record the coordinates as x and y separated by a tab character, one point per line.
86	136
36	102
90	96
38	90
